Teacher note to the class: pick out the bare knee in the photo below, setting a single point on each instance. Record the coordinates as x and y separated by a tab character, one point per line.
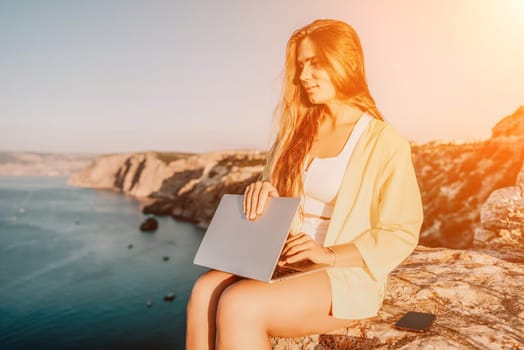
238	305
207	290
202	290
241	318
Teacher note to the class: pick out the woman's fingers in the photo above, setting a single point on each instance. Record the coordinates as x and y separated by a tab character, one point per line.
304	254
301	247
255	198
244	199
262	198
250	201
293	241
304	245
247	199
273	191
266	190
299	235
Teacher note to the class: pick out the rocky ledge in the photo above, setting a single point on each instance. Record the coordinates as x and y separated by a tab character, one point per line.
476	298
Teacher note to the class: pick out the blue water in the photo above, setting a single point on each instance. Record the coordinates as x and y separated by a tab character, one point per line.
68	279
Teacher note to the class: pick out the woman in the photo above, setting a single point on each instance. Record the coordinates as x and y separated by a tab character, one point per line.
361	210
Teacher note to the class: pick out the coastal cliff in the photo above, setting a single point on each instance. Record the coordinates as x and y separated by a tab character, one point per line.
185	186
455	179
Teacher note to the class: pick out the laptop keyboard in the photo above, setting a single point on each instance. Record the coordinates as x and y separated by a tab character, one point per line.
281	271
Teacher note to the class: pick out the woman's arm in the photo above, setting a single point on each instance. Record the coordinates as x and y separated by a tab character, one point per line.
395	231
345	255
302	246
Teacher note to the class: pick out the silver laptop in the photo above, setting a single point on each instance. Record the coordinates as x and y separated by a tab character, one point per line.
251	248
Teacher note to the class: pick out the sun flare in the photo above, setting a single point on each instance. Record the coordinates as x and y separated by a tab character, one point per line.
516	7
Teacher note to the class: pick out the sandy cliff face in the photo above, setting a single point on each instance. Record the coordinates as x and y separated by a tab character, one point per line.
138	174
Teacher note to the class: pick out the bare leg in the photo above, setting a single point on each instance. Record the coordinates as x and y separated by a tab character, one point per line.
201	309
250	311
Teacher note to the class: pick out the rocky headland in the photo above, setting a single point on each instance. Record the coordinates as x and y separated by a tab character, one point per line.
43	164
185	186
468	268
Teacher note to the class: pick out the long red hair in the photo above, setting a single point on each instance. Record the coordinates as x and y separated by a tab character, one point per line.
338	48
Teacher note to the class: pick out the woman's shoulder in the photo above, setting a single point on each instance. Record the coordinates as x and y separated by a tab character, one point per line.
387	135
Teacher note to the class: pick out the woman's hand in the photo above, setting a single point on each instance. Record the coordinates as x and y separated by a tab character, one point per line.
255	197
302	246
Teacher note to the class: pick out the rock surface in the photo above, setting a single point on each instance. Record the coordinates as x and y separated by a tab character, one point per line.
512	125
504	209
476	298
149	224
502	220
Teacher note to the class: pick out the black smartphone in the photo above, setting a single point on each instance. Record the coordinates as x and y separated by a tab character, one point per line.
415	321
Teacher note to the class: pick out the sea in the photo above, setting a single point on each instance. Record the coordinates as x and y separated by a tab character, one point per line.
77	273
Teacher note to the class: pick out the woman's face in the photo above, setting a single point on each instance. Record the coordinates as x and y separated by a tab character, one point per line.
314	79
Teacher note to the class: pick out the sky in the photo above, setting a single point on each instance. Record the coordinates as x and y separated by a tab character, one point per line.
110	76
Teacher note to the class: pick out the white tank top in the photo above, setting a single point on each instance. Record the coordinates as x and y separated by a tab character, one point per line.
323	178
